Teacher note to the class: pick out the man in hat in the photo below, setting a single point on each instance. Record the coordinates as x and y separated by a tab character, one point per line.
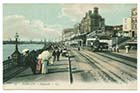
54	54
30	61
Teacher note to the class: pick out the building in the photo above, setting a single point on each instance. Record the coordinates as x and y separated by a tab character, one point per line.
127	27
97	22
77	38
109	30
92	21
77	29
130	24
91	24
117	30
67	34
134	22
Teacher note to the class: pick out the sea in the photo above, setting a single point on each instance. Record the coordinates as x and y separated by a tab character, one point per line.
8	49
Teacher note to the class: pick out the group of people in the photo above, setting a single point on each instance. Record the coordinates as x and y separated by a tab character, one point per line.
43	61
56	54
30	60
38	62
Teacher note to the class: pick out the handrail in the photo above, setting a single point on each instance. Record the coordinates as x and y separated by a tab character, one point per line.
10	68
8	64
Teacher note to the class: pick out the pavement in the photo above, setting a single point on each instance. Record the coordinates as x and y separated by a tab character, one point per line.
85	75
58	76
131	53
58	66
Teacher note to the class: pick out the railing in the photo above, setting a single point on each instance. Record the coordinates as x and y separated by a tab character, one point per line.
11	69
8	65
121	40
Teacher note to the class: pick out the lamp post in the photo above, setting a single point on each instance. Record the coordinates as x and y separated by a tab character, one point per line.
16	36
16	55
70	71
70	68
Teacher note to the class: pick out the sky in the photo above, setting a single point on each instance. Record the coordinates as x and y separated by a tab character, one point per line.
47	21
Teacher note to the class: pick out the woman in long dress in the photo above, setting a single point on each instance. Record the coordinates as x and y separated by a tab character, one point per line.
39	64
45	59
44	67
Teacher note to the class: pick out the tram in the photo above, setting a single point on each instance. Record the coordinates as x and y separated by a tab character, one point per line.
97	45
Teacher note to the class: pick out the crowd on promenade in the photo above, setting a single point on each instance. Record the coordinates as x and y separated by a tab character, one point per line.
39	60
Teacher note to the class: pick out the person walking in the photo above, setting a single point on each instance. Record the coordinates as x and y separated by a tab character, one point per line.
33	62
58	53
26	58
45	59
30	61
54	54
44	67
39	64
79	48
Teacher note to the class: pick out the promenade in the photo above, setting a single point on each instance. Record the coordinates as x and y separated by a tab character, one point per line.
89	70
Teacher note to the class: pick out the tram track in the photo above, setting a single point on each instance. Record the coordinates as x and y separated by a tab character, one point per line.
100	73
121	60
112	76
109	71
109	61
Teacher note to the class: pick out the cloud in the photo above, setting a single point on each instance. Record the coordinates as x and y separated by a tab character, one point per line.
76	11
28	29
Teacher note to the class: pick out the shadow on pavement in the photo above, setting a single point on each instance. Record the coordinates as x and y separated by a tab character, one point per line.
58	64
26	75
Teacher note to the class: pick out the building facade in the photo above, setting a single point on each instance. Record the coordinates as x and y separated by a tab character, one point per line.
97	22
77	29
91	26
67	34
92	21
127	27
117	30
134	22
109	30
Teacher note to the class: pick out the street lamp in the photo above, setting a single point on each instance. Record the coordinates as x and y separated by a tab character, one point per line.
70	68
16	36
16	54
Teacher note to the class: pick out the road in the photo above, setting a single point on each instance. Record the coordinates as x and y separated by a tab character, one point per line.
102	68
90	68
